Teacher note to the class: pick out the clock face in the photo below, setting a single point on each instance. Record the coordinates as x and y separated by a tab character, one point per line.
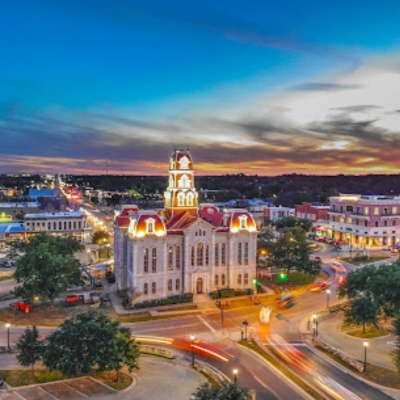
184	162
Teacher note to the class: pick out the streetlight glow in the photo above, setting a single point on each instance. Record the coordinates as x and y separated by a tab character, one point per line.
235	371
365	357
7	325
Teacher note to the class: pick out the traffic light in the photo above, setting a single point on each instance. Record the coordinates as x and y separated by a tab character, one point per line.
282	276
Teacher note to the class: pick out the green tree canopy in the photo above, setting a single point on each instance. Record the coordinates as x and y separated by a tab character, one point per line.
227	391
29	348
291	222
100	237
47	268
363	310
88	340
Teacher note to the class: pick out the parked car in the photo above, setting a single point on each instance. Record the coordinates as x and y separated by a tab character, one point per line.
19	305
316	258
331	240
5	263
340	241
321	239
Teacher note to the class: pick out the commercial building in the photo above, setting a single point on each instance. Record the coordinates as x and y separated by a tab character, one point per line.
317	214
10	233
365	220
67	224
13	212
185	247
276	213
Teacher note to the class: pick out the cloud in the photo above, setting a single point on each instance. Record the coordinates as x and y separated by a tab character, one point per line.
358	108
321	87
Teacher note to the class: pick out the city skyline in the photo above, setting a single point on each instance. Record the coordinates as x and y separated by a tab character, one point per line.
254	88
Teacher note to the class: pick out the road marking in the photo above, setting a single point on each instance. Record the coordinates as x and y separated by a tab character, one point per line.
47	392
201	318
138	331
20	395
260	381
76	390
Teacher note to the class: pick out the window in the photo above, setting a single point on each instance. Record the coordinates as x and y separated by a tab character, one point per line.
178	285
153	260
207	254
190	199
366	211
358	210
341	209
178	257
60	226
365	223
223	280
239	254
169	285
334	208
394	222
239	279
48	226
146	260
357	222
192	256
223	254
150	226
146	288
385	211
79	225
153	288
376	224
200	254
243	222
333	218
246	279
170	258
216	254
54	226
181	199
385	223
246	253
216	281
349	209
65	225
74	225
69	225
376	211
394	210
349	220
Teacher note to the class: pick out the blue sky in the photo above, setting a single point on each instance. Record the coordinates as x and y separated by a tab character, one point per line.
251	86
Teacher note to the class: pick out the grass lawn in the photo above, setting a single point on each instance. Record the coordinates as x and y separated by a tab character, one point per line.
379	375
18	378
369	260
368	334
5	275
293	377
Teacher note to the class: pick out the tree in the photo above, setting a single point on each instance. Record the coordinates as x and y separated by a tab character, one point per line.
90	340
100	237
396	353
47	268
362	310
227	391
29	347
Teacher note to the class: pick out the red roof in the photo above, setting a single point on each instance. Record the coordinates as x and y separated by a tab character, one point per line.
123	221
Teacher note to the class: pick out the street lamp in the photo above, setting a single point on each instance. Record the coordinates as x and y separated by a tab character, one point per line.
328	292
8	335
315	325
192	339
245	323
235	371
88	255
365	357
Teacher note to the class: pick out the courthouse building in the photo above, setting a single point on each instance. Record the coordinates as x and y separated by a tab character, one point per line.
185	247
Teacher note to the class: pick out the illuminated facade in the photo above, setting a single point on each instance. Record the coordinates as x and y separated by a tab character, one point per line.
186	247
365	221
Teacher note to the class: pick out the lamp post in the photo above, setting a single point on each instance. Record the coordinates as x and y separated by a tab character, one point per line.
88	255
245	323
365	357
328	292
235	371
315	325
8	335
192	339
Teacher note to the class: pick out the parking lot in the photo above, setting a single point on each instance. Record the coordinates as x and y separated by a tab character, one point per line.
82	388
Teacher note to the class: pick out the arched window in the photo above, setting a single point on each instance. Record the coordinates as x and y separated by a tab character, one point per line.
223	280
170	258
207	254
223	254
153	260
200	254
216	280
146	288
376	211
170	285
246	253
189	199
192	257
178	285
385	223
246	279
153	288
181	199
239	254
178	257
239	279
376	224
216	255
146	260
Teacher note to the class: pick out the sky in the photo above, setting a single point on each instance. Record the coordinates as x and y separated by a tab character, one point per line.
256	87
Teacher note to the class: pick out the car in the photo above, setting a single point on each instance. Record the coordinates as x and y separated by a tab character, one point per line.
338	268
285	301
316	258
319	287
321	239
340	241
331	240
5	263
